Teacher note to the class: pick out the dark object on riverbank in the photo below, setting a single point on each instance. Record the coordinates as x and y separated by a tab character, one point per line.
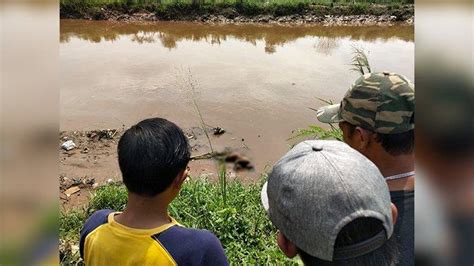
243	163
230	158
240	162
100	134
340	14
218	131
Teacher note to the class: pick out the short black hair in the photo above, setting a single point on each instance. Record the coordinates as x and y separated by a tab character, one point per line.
355	232
151	154
398	144
395	144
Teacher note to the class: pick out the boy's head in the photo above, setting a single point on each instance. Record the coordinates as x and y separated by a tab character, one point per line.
331	205
152	155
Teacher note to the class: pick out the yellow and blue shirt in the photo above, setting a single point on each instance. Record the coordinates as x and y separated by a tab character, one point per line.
106	242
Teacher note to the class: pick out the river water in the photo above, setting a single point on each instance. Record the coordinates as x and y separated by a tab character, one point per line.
256	81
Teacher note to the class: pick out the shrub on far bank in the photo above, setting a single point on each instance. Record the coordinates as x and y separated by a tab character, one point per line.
240	222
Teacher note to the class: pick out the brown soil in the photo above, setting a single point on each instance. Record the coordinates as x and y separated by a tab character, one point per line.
93	162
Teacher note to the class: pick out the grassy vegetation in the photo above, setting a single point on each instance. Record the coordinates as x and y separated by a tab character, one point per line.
239	222
176	9
316	132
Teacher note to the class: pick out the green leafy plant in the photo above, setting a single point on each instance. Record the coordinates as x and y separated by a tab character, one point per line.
360	62
223	180
316	132
112	196
70	224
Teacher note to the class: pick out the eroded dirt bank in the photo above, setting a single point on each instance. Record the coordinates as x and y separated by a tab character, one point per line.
311	14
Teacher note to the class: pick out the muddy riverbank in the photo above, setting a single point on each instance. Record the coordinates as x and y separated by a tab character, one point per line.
91	161
304	14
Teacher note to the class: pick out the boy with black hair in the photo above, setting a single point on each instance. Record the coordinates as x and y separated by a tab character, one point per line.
153	156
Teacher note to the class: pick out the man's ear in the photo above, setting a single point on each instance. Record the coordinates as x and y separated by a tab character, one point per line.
179	180
288	248
394	213
363	138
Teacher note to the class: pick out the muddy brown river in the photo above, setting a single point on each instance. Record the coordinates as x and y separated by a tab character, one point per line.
256	81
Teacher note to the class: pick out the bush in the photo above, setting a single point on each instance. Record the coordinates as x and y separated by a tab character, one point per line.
359	8
112	196
249	9
241	223
288	9
70	224
316	132
176	10
74	9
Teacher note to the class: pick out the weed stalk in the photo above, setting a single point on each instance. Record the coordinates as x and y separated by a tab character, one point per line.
192	86
223	180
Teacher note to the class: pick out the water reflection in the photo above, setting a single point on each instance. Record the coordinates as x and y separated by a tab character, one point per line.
169	34
326	45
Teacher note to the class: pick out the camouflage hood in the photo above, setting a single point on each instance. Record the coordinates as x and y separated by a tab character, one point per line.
381	102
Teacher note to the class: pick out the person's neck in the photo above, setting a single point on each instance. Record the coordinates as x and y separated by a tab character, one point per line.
390	165
144	213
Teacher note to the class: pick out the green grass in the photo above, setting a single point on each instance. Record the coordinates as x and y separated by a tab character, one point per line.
240	222
315	132
70	224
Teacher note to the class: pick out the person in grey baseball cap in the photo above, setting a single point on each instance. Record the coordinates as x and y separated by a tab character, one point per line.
377	118
331	206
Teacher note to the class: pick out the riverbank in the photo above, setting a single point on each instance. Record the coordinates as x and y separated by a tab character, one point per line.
88	161
283	13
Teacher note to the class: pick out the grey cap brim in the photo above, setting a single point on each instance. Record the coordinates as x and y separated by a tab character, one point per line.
329	114
264	197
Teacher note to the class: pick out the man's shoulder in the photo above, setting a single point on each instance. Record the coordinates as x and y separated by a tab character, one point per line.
405	203
405	225
402	195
